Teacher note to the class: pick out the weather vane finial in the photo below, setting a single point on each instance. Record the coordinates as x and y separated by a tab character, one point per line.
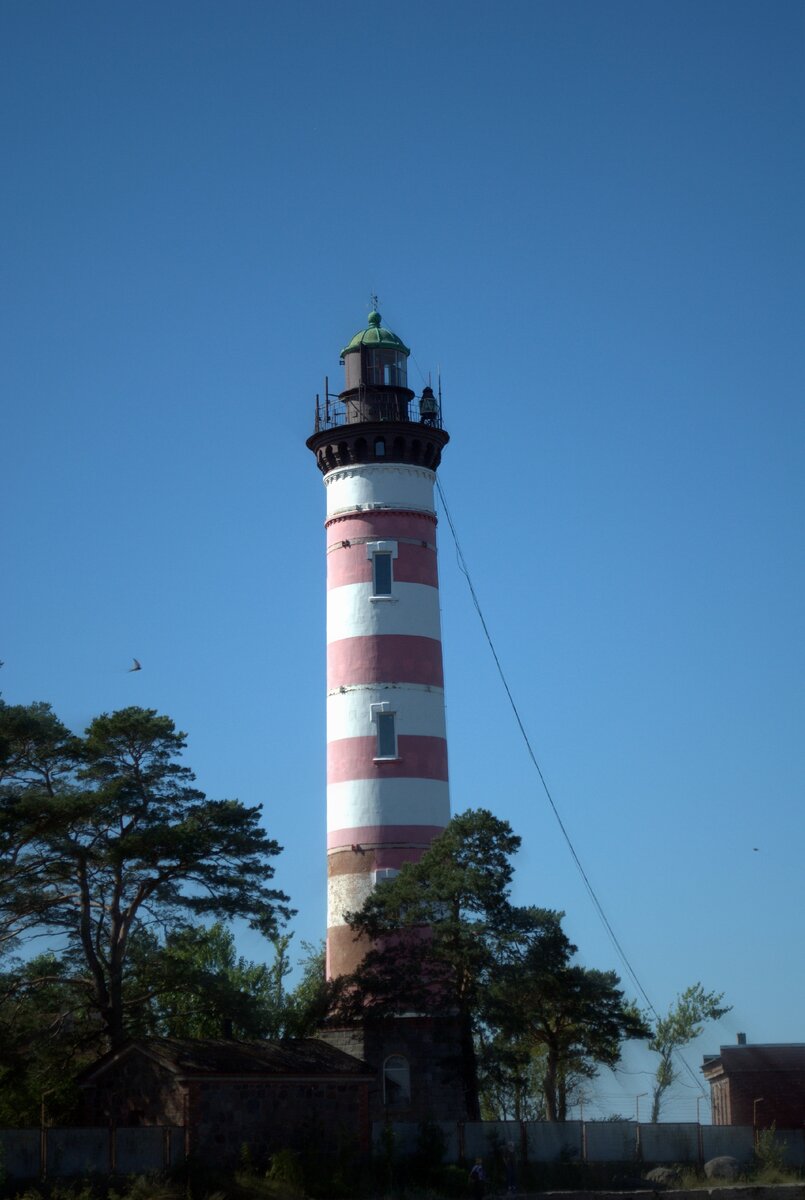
374	301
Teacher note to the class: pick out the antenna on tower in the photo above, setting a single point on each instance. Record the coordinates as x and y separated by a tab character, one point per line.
439	390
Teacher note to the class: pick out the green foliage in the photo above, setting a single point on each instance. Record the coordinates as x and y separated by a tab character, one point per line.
504	974
105	840
576	1016
285	1168
148	1187
509	1077
46	1035
449	1181
426	1163
770	1155
388	1153
459	892
683	1023
196	982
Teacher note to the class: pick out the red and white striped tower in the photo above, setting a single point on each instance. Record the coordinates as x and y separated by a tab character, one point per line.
378	447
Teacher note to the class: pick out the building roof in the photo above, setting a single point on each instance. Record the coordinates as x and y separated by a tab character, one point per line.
773	1056
195	1057
375	334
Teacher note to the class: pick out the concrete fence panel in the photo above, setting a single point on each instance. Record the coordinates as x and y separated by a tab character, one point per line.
735	1140
790	1144
669	1142
404	1135
19	1152
178	1146
77	1151
550	1142
483	1138
610	1141
451	1146
140	1150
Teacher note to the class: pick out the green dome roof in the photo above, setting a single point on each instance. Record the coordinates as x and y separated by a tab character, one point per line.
375	335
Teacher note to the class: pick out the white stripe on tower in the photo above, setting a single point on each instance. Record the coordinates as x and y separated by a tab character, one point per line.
387	790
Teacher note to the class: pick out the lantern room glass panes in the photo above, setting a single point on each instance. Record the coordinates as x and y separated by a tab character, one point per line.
385	368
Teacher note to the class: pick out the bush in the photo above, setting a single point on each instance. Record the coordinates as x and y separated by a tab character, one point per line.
769	1156
285	1168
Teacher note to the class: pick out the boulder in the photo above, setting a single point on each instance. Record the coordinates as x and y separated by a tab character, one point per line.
663	1177
723	1167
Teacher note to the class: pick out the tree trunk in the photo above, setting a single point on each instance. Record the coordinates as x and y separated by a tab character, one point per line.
469	1070
549	1087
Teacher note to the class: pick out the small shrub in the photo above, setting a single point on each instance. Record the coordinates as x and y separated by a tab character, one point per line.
450	1181
74	1191
285	1168
769	1156
149	1187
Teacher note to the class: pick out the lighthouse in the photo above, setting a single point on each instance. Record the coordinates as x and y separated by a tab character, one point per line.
378	446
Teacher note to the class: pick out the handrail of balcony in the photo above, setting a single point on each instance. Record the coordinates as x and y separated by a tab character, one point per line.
333	414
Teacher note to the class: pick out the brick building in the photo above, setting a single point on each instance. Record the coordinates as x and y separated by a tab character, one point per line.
418	1065
227	1094
759	1085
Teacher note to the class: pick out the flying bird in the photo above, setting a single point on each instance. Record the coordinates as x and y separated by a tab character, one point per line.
136	666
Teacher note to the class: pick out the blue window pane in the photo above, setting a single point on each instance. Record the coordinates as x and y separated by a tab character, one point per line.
382	573
386	740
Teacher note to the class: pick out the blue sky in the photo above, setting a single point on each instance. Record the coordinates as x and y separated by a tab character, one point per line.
589	216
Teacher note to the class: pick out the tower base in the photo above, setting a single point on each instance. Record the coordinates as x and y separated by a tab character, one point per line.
418	1063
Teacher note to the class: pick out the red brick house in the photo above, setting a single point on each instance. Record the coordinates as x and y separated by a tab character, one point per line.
760	1085
227	1094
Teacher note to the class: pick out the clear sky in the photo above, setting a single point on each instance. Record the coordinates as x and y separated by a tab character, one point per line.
590	216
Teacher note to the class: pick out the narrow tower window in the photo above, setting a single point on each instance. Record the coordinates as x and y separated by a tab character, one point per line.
396	1081
380	555
380	447
386	736
381	574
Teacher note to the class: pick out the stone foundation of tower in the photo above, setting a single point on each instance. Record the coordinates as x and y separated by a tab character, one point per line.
430	1050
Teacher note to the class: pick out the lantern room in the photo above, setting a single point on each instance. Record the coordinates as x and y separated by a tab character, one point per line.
377	417
375	357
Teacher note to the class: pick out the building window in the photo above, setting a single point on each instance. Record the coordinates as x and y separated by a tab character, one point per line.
380	555
386	735
381	574
396	1082
383	874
